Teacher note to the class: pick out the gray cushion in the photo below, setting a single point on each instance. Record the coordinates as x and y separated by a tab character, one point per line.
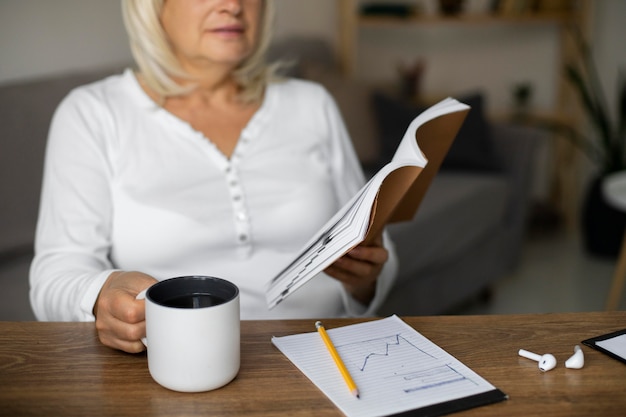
445	231
26	110
471	150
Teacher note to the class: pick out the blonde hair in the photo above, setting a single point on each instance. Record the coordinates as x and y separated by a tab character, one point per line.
158	64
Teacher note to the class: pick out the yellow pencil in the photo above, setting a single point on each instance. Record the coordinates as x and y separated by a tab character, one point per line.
333	352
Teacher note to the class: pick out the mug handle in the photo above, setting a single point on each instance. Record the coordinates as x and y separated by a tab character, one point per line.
142	296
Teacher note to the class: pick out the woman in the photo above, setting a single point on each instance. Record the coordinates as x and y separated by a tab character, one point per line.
199	163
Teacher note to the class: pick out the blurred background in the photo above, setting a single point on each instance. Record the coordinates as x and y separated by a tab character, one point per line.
513	52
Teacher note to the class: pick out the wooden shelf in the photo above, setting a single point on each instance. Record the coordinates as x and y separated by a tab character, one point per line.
464	19
352	21
575	13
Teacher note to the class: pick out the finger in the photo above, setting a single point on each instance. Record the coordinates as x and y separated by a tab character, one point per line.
134	282
361	287
125	345
352	272
120	323
343	276
126	308
369	254
119	335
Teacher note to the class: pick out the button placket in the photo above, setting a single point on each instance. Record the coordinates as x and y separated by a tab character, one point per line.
242	226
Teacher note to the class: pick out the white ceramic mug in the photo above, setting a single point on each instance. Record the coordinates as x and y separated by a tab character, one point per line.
192	332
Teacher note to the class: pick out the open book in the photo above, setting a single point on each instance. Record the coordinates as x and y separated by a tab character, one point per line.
392	195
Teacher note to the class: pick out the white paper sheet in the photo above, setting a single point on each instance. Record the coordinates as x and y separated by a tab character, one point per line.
395	368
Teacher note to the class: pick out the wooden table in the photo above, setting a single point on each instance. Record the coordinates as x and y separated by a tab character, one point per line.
59	369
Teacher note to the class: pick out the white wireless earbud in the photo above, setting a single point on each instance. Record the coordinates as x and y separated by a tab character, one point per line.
577	360
546	362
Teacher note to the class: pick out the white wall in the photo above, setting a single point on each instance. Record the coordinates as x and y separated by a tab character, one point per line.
42	37
461	58
306	17
609	46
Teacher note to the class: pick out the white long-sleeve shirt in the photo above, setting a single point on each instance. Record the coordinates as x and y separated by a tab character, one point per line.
129	186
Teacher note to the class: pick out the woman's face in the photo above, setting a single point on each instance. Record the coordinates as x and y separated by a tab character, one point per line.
204	33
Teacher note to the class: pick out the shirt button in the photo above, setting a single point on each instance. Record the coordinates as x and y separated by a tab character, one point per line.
243	238
241	216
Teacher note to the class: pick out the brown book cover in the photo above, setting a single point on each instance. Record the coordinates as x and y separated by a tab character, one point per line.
404	189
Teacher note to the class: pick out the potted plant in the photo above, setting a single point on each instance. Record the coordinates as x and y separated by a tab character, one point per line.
604	143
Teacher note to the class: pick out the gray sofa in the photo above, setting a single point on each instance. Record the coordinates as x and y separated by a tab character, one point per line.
466	235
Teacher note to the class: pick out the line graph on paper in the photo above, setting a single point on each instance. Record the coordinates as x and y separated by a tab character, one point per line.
398	361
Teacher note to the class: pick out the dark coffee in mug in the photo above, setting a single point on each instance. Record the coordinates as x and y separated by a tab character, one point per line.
192	292
199	300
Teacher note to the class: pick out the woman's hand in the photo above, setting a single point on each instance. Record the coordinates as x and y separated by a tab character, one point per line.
120	317
358	270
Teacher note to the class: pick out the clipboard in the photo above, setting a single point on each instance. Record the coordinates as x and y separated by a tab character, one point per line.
597	344
461	404
398	371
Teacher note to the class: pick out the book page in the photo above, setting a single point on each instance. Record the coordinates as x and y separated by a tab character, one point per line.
376	203
395	368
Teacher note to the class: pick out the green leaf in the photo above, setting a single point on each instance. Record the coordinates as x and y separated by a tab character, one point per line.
621	107
590	148
596	114
621	118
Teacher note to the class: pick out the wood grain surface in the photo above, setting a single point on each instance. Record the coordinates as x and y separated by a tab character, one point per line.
61	369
